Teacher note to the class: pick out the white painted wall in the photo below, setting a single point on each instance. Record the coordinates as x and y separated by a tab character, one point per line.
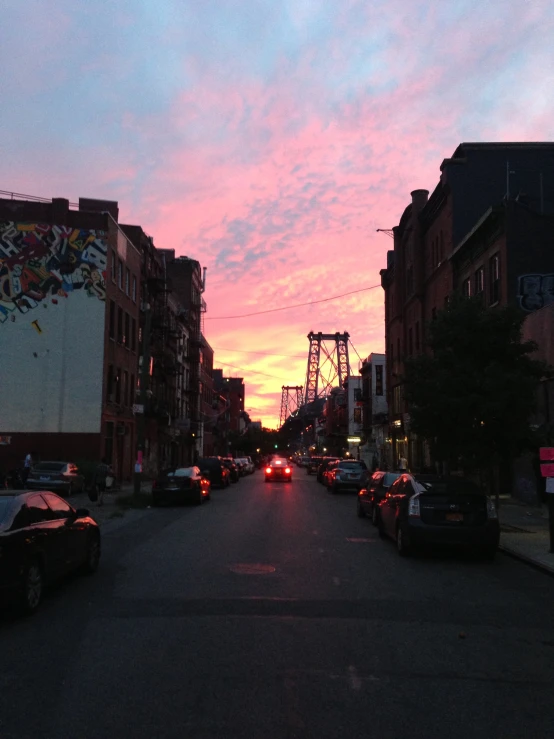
52	381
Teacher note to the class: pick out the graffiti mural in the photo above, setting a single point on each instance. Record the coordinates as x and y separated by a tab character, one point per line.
535	291
40	263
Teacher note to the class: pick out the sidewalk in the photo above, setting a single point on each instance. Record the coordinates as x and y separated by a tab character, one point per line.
524	533
110	510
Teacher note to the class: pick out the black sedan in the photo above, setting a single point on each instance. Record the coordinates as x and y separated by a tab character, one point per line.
42	538
181	485
428	509
278	469
370	496
234	471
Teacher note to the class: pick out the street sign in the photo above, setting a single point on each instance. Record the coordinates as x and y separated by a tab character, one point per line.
546	453
138	408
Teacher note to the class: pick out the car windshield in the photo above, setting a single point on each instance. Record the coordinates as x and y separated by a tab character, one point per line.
181	472
447	487
5	506
49	466
389	478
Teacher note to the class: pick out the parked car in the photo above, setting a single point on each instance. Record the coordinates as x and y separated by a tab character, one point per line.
43	538
241	466
278	469
216	472
313	464
181	485
428	509
325	464
248	464
370	496
328	470
234	472
347	475
59	477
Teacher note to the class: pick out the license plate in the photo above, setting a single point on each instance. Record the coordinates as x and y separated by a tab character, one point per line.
454	517
44	479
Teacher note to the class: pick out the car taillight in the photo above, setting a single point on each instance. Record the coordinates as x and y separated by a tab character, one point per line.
287	470
491	509
268	470
413	509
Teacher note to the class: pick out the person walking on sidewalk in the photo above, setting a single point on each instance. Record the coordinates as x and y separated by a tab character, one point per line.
103	480
27	464
402	463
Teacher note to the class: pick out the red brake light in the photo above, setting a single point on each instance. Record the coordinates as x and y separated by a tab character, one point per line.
268	470
287	470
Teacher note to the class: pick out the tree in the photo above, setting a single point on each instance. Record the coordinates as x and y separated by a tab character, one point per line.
472	395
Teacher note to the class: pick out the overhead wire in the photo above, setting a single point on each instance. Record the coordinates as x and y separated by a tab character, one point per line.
290	307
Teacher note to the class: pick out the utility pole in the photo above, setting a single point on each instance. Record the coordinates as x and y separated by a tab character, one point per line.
141	416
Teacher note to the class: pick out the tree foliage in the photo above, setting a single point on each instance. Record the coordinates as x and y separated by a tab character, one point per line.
471	396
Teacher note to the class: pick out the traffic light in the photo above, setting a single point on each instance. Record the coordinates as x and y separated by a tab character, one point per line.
276	445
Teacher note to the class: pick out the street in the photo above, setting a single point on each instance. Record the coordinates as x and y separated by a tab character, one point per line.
273	611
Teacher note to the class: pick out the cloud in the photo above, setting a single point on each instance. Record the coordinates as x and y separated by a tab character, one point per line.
268	140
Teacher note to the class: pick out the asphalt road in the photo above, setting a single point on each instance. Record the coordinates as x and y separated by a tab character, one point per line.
273	611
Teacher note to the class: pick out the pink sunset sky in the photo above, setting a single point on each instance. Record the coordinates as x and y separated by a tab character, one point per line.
268	139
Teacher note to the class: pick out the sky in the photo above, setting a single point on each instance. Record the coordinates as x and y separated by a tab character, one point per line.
268	139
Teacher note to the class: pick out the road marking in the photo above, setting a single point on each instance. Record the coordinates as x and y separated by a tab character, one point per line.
360	540
252	569
336	581
355	681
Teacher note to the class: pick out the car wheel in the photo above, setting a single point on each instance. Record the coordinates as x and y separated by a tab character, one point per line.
92	559
32	587
374	515
403	548
359	509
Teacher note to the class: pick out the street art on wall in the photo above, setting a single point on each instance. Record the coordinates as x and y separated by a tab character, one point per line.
40	263
535	291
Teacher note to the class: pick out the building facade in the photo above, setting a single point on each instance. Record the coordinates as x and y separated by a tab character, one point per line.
487	194
376	444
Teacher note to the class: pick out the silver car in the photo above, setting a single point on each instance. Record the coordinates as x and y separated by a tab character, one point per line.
58	477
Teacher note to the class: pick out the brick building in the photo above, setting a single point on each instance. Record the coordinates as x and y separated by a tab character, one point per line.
475	226
69	310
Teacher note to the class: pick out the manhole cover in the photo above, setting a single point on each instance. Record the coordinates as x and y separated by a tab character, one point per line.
252	569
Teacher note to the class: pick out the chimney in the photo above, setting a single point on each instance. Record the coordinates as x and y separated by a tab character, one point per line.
419	199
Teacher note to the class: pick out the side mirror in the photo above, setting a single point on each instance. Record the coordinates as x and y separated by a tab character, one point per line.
82	513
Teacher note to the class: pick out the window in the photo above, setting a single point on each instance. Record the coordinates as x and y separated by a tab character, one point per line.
125	388
433	254
398	349
113	261
119	325
397	399
417	337
433	314
479	281
391	353
378	379
132	390
127	282
133	335
120	274
134	291
357	415
110	384
108	445
21	520
466	288
117	381
441	247
410	342
38	510
127	335
446	300
59	507
494	277
112	319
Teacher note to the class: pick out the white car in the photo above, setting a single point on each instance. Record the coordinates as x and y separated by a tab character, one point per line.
249	465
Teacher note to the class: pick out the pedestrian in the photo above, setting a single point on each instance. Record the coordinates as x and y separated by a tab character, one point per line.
27	464
402	463
103	479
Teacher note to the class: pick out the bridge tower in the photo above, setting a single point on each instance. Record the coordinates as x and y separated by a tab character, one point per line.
328	364
291	400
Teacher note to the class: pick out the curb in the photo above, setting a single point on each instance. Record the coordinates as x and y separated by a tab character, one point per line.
546	569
